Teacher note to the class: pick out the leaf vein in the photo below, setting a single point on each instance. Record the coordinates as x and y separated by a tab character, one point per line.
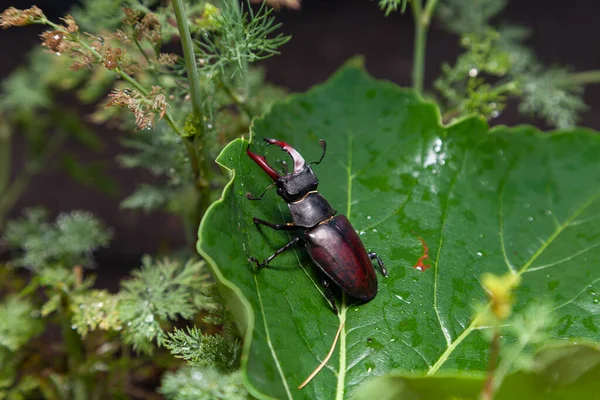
568	258
444	329
444	356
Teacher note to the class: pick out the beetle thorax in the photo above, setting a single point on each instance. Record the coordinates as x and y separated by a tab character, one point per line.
293	187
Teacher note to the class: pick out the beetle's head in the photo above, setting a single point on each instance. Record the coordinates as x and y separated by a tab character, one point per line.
292	186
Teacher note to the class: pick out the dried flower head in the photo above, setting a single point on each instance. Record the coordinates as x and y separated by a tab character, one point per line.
159	101
14	17
131	16
54	40
71	25
120	98
144	108
121	36
167	58
112	57
149	28
83	59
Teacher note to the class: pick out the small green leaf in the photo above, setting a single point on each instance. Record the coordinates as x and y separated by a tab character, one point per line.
51	305
201	350
18	323
506	200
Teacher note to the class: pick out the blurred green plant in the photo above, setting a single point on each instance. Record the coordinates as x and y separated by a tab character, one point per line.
175	113
495	67
96	324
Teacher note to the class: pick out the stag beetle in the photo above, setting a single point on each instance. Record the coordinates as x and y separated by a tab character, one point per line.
330	239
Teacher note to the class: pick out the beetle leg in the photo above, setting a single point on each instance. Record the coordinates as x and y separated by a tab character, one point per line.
329	295
263	264
288	226
374	255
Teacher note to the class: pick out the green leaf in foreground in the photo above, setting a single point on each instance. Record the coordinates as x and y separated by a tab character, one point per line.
562	372
513	200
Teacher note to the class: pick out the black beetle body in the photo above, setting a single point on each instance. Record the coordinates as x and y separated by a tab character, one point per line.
330	239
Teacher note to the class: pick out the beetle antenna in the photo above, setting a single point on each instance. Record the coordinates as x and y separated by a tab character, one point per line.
250	197
324	146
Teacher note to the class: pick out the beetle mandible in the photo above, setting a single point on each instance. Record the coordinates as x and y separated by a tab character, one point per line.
329	238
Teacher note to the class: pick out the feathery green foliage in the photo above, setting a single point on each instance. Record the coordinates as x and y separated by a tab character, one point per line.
201	350
194	383
19	322
497	66
69	241
467	16
552	95
389	6
236	37
159	292
95	309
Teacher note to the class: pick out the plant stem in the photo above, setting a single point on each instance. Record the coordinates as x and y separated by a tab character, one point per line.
5	155
75	357
422	19
189	58
488	387
196	147
583	78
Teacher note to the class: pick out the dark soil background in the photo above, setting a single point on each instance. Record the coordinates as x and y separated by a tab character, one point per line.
324	34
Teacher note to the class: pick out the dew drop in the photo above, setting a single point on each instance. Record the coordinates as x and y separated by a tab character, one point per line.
149	318
596	301
473	72
361	233
197	375
530	218
368	217
437	145
479	254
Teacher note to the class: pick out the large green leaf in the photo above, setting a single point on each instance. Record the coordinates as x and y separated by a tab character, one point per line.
483	201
